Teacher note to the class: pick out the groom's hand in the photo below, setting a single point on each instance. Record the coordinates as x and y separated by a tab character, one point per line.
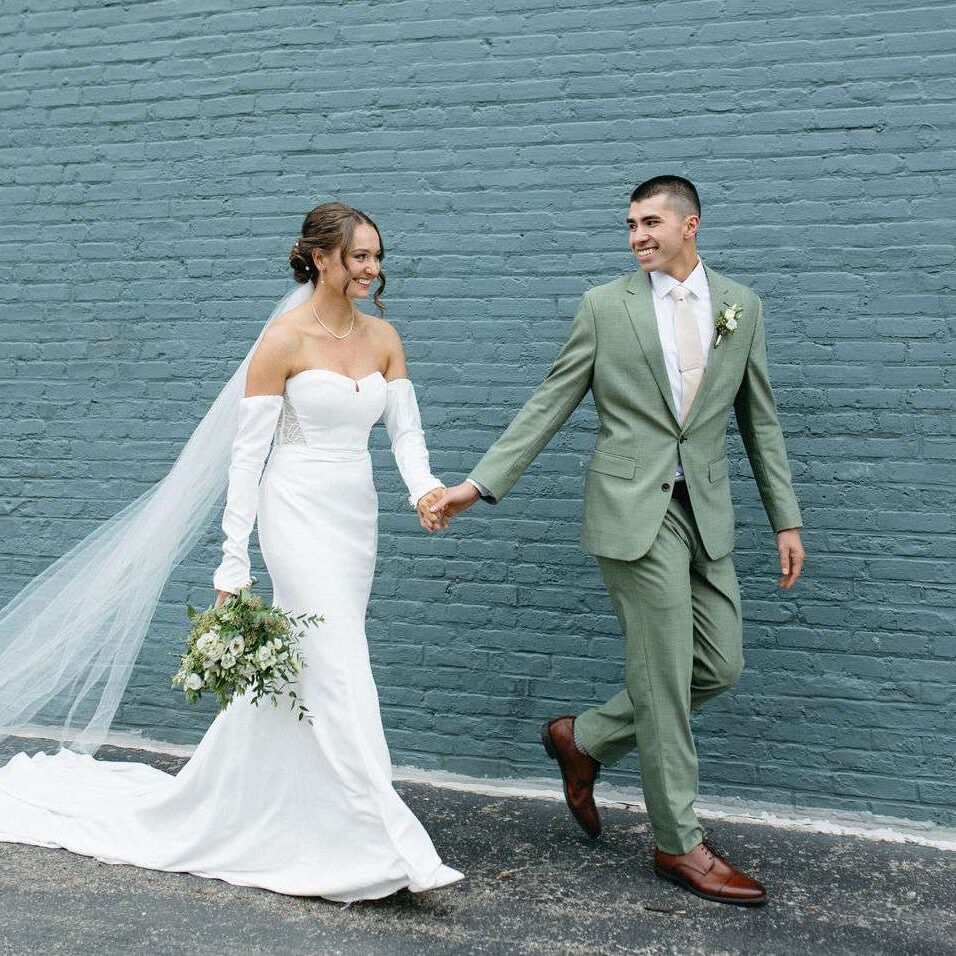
456	500
790	548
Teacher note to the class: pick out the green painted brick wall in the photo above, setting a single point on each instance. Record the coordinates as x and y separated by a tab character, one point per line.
156	159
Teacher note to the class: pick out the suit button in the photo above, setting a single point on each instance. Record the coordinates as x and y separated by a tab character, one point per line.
683	438
665	487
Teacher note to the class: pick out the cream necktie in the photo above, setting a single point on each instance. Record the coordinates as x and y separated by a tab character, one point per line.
690	355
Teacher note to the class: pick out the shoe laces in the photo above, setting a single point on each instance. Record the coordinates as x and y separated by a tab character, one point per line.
712	850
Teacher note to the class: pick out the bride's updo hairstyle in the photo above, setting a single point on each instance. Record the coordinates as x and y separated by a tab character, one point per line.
326	228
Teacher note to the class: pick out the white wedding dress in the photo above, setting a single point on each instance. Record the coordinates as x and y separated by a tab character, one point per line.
267	800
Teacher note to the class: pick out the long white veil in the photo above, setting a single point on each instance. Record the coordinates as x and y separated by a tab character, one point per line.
69	638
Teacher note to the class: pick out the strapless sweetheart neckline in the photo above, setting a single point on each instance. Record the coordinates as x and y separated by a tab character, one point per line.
329	371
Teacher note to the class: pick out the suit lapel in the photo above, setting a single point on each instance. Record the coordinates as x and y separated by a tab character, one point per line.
718	299
640	309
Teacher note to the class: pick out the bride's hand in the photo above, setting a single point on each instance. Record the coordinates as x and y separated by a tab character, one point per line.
431	520
222	597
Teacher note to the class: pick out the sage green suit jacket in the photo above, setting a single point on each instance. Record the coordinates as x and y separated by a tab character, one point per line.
614	351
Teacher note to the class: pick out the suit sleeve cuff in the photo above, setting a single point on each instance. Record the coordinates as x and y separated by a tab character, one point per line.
783	520
486	495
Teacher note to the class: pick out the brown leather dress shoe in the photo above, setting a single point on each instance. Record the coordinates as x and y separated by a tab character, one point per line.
578	771
706	873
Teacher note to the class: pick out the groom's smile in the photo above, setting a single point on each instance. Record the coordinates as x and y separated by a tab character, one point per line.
645	253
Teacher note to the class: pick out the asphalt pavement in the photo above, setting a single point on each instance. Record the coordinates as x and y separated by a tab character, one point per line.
535	884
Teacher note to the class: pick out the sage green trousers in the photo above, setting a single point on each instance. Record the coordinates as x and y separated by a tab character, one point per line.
680	614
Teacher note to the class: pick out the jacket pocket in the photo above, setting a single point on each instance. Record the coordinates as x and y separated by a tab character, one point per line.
615	465
717	469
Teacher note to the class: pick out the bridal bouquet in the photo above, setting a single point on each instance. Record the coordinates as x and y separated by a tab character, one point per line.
243	645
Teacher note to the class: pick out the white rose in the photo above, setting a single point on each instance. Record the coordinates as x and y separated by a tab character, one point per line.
206	640
194	682
228	660
237	645
731	324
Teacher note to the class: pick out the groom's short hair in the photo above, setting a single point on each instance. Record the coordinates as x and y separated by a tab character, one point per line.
681	192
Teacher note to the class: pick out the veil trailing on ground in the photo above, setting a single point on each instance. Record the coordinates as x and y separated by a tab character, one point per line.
69	639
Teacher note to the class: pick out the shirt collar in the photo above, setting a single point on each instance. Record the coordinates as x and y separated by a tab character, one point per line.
696	283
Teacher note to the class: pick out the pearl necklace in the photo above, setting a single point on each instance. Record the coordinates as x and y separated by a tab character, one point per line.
334	335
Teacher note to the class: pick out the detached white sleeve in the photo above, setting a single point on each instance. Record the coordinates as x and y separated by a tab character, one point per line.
258	416
404	424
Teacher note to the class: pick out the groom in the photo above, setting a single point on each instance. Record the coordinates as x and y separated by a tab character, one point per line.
668	352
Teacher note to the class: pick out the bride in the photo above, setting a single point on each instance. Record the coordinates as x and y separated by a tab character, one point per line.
266	800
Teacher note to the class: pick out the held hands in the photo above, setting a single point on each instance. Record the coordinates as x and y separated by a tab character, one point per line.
790	548
438	506
455	500
431	518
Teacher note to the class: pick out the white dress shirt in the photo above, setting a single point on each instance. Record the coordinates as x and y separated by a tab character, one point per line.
664	309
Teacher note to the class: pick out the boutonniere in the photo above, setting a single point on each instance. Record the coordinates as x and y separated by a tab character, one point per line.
727	321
